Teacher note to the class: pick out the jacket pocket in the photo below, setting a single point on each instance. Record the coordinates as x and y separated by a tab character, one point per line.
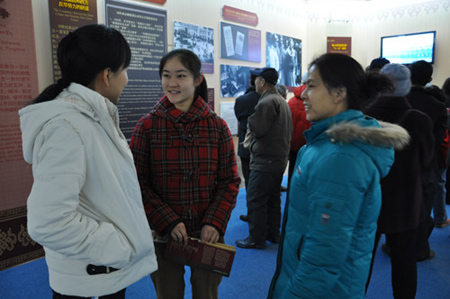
299	248
326	212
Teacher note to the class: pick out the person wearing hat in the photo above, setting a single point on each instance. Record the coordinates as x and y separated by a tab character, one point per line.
402	196
271	129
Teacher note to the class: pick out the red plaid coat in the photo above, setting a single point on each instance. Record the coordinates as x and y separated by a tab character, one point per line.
186	167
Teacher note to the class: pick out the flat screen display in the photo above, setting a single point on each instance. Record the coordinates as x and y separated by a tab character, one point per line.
408	48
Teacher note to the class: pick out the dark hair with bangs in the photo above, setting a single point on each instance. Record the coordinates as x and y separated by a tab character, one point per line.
342	71
84	53
190	61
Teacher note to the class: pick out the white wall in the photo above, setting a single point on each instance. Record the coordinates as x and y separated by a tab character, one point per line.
367	23
303	19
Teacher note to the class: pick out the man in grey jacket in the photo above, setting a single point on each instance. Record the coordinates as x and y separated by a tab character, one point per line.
271	129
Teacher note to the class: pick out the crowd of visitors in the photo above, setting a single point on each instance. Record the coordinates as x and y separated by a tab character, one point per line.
367	151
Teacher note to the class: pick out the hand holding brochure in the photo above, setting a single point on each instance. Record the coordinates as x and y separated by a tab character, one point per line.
216	257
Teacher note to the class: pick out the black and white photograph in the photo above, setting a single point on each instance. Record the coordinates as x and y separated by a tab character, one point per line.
234	80
199	40
284	54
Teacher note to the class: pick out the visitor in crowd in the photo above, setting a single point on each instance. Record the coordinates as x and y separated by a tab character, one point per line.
282	90
271	130
299	123
85	207
446	90
420	99
439	210
377	63
244	106
335	194
401	189
186	165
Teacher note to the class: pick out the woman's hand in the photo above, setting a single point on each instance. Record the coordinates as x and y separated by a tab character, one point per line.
209	234
179	233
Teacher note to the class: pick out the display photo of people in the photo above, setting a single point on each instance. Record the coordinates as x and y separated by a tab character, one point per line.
284	54
199	40
234	80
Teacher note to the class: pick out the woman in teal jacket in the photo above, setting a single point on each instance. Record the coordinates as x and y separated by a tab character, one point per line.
331	214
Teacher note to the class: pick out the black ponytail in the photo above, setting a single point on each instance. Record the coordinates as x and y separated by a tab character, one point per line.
202	90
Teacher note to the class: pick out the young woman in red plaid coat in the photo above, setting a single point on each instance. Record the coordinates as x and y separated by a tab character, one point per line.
185	160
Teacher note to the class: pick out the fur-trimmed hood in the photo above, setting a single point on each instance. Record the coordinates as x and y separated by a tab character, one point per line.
376	139
389	135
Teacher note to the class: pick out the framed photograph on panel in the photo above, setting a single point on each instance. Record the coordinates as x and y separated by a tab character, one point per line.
284	54
240	43
234	80
199	40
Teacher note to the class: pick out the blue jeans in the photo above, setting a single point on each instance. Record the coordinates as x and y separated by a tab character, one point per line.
439	211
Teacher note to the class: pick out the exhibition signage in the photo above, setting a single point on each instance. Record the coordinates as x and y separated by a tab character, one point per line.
145	29
18	86
342	45
66	16
239	16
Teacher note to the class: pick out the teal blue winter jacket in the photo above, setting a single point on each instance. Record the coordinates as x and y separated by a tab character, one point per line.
331	216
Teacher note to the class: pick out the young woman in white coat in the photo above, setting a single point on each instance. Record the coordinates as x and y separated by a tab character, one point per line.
85	206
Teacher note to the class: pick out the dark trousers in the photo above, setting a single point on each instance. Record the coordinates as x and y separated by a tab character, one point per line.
264	204
118	295
245	165
403	263
427	225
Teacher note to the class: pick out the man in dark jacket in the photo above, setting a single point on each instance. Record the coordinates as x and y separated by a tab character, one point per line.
243	108
271	129
421	72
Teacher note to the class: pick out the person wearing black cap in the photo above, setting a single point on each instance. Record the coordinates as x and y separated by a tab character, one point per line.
271	129
402	199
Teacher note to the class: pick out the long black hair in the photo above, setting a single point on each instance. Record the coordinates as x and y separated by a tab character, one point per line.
190	61
339	70
84	53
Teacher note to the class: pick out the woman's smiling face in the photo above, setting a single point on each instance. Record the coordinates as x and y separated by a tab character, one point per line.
320	103
179	84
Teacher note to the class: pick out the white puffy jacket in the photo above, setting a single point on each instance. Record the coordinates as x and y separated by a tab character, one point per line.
85	205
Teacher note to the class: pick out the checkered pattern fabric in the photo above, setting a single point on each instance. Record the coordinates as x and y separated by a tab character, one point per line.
186	167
